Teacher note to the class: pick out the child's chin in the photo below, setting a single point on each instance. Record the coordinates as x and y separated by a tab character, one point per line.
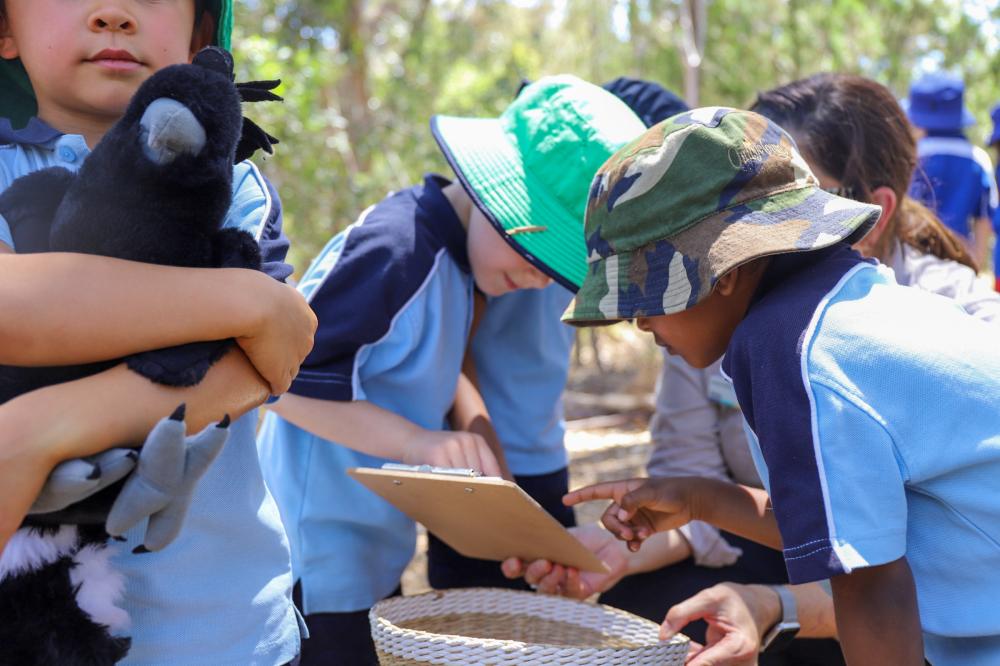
492	290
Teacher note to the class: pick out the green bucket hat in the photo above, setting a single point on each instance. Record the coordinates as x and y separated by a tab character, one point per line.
529	170
18	101
692	198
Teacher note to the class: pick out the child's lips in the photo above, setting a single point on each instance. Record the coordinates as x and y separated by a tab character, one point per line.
510	283
115	60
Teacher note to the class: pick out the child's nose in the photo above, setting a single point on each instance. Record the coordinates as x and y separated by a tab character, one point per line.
113	19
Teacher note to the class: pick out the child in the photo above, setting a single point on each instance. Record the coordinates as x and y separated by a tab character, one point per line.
722	242
993	141
221	592
521	370
394	296
954	179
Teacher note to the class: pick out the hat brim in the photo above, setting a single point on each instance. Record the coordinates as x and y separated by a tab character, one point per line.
940	122
674	274
491	169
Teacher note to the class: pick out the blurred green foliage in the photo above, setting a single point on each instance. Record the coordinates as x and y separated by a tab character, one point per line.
362	78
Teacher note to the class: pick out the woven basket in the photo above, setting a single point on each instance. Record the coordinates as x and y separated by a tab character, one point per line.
493	627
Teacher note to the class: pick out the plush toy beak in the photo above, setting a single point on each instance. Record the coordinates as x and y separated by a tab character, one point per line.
169	129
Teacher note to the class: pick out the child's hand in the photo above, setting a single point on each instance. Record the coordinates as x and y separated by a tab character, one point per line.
24	466
640	507
551	578
451	449
284	335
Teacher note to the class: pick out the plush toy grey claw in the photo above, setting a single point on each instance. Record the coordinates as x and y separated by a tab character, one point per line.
77	479
162	486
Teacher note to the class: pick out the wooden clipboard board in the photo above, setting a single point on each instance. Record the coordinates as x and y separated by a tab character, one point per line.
482	517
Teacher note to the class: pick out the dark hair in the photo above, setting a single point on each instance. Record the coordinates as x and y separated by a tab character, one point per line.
855	130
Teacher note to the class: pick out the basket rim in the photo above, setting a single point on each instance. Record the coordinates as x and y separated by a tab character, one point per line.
381	624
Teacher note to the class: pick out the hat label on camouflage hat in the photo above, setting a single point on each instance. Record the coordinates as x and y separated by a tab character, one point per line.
691	199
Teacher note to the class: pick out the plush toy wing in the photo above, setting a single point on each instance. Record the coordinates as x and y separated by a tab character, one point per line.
253	138
29	206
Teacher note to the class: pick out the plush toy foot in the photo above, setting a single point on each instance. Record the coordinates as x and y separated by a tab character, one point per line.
76	480
162	486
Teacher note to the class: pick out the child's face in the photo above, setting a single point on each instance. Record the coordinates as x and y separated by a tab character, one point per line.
496	266
701	333
86	58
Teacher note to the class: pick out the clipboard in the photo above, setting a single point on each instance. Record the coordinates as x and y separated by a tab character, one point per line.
479	516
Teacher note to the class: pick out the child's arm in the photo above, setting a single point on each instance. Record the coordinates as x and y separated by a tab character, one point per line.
366	427
641	507
877	617
63	309
42	428
469	413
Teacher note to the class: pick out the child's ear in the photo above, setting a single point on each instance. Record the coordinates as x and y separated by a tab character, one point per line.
204	33
744	277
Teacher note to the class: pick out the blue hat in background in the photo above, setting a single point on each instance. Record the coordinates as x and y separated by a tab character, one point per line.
936	103
995	116
650	101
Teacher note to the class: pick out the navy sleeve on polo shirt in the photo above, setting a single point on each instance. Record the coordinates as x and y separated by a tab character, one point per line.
256	209
365	277
765	360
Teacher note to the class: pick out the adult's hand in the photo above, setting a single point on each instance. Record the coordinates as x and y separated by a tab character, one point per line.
555	578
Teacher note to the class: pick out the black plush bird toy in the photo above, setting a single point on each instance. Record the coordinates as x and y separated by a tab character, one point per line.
155	189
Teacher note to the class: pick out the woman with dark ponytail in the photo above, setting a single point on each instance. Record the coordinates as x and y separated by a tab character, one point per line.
858	141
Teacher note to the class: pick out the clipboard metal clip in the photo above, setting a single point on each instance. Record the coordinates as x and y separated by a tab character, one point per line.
430	469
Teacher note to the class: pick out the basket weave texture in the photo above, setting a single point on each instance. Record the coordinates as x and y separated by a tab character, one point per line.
494	627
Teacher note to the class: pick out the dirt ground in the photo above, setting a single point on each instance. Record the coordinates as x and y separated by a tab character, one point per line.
608	402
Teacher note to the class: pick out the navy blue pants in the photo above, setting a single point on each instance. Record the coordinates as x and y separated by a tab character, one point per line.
652	594
344	639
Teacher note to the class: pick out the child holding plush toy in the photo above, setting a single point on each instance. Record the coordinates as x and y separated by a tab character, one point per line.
189	603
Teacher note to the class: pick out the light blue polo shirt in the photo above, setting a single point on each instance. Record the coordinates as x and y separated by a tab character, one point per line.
220	594
521	350
393	295
873	416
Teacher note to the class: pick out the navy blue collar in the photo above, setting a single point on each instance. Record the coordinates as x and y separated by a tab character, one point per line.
442	220
36	133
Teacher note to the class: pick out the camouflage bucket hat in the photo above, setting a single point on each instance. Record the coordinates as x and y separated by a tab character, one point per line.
17	103
692	198
529	170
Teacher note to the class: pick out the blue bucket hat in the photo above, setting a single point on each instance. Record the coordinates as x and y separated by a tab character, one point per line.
995	117
936	103
650	101
17	104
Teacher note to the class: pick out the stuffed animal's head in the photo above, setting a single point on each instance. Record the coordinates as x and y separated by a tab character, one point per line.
185	119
